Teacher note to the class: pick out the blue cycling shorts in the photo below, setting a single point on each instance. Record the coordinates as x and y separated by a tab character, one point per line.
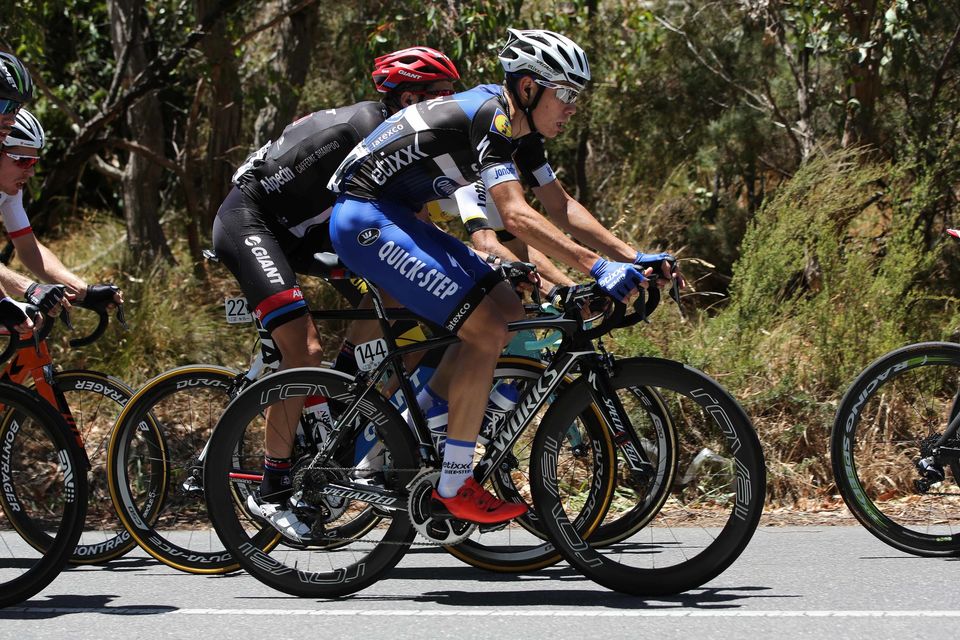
428	271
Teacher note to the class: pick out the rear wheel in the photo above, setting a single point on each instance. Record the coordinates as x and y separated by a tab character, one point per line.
321	569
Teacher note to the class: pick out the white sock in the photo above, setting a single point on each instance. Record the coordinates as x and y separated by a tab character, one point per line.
457	467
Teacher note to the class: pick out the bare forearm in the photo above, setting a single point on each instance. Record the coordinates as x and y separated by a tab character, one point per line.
47	267
13	283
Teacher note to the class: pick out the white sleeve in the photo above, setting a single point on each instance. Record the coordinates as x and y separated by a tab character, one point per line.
15	219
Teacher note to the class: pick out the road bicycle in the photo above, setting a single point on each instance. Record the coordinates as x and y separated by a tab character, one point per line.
691	536
89	402
896	452
157	483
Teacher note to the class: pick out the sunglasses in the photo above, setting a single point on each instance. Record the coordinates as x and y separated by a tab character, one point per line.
439	93
566	95
24	162
9	106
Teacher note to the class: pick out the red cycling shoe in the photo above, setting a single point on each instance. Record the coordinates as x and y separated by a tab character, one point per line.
473	503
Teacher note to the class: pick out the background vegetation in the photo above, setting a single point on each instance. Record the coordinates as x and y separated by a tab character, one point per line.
801	157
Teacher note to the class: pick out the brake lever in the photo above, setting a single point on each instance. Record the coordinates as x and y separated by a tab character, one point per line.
121	317
65	317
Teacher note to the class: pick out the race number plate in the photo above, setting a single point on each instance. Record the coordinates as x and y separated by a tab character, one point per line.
237	311
370	354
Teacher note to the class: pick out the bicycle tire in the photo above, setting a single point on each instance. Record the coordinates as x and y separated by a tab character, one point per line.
41	467
288	567
707	520
902	399
529	548
147	477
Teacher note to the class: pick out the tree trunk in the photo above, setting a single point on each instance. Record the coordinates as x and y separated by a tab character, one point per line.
140	177
224	108
864	75
293	38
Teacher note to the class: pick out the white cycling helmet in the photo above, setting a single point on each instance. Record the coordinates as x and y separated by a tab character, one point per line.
26	132
549	55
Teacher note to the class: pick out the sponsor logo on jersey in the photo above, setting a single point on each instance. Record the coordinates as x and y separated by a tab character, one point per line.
454	322
368	236
386	135
444	186
263	257
501	124
387	165
305	164
415	270
277	180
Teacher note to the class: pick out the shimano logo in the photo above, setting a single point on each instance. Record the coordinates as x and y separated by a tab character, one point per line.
414	269
277	180
458	317
387	165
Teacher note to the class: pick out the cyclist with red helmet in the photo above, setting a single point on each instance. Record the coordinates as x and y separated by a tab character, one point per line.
276	217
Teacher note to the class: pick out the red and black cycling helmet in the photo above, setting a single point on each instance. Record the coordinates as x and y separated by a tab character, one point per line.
416	65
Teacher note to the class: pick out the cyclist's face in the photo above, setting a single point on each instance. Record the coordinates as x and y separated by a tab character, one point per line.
551	115
13	172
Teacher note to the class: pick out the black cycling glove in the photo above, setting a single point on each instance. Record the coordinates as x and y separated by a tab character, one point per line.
98	295
13	313
45	296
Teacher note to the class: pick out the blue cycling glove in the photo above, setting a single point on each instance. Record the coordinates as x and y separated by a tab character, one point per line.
617	279
645	260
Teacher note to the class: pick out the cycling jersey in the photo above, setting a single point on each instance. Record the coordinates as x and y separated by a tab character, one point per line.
15	220
274	220
424	153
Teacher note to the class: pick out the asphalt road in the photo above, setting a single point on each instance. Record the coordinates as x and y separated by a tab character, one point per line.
792	582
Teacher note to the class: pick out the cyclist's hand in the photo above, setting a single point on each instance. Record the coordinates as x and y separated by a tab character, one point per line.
617	279
49	298
21	316
97	294
663	266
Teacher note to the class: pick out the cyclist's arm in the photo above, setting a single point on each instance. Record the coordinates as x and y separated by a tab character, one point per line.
523	221
547	269
573	217
46	266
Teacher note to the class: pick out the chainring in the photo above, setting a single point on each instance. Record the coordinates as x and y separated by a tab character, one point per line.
444	531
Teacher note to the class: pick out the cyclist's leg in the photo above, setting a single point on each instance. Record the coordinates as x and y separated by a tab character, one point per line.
254	251
441	279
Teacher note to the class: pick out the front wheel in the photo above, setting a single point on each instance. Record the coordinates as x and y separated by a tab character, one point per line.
712	509
897	481
44	488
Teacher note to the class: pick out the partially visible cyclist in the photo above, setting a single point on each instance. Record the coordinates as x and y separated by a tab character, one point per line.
276	217
427	152
16	89
56	285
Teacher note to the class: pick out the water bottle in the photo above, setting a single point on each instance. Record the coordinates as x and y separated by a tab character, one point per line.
503	399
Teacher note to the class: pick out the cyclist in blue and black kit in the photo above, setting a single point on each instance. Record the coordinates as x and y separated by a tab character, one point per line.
425	153
274	220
